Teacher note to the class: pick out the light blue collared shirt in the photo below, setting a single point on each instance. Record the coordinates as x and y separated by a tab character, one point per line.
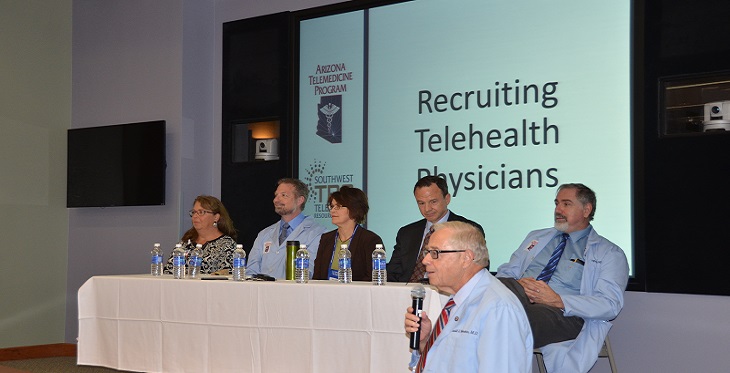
293	224
487	332
601	297
459	299
268	257
465	291
568	274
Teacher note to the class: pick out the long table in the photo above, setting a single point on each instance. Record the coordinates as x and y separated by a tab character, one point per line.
159	324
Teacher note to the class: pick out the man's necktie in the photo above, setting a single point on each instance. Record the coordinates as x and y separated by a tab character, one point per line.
420	269
284	233
549	269
437	328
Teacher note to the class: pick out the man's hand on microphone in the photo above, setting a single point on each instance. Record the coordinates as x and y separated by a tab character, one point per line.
411	325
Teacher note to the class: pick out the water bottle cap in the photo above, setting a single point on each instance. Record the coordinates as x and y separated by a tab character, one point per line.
239	246
157	244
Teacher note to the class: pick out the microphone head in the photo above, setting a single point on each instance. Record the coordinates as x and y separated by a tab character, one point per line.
418	291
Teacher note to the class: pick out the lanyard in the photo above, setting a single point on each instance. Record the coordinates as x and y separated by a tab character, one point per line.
332	272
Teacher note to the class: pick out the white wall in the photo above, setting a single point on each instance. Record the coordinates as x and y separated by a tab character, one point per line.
127	67
139	60
35	111
671	333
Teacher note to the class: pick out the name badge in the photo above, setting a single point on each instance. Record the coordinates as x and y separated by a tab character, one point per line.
267	247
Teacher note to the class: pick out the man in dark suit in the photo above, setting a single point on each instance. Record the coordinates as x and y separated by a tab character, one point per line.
432	196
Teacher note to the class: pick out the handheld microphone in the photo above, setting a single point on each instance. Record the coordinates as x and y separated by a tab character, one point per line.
417	293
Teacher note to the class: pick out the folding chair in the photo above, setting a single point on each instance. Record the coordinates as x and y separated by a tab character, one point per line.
605	352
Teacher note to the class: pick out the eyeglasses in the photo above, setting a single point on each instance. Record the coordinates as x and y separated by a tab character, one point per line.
199	212
334	207
435	253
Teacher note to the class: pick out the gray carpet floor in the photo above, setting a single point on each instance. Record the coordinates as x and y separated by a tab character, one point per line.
50	365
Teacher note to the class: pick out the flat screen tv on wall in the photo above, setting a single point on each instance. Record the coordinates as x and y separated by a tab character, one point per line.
118	165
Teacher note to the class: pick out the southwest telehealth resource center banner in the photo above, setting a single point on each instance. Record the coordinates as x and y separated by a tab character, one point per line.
331	85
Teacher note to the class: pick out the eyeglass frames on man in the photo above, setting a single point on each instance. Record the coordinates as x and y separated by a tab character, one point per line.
435	253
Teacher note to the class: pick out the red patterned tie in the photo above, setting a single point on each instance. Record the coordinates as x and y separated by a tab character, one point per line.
443	319
420	269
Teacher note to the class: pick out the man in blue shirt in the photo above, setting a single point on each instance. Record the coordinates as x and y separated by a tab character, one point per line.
487	329
571	282
268	254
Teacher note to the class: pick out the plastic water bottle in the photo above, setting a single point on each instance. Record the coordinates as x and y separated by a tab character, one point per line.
344	274
379	274
301	265
178	262
195	261
239	263
156	264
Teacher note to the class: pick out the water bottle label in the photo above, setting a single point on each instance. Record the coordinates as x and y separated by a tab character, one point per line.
345	263
239	262
196	261
301	263
378	264
178	261
157	259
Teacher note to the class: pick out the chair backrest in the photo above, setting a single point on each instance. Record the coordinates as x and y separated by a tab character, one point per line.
605	352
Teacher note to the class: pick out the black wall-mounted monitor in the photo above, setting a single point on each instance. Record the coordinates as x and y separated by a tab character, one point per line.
118	165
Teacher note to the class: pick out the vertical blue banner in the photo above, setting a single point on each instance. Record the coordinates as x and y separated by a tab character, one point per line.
331	108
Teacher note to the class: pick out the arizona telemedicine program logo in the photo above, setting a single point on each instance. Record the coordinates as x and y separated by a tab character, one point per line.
321	186
329	81
329	123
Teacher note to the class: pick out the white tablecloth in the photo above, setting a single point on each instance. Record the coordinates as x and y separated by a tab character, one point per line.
143	323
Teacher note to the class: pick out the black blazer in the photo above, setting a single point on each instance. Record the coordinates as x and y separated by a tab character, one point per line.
408	244
361	247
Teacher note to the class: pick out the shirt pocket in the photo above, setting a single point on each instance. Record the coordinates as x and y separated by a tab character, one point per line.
570	275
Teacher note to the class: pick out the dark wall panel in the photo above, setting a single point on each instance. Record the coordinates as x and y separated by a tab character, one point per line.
686	245
256	86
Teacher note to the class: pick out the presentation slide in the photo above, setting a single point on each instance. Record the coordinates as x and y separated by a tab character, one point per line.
505	100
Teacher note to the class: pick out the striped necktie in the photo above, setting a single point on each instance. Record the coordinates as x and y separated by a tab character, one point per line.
549	269
419	271
284	233
437	328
